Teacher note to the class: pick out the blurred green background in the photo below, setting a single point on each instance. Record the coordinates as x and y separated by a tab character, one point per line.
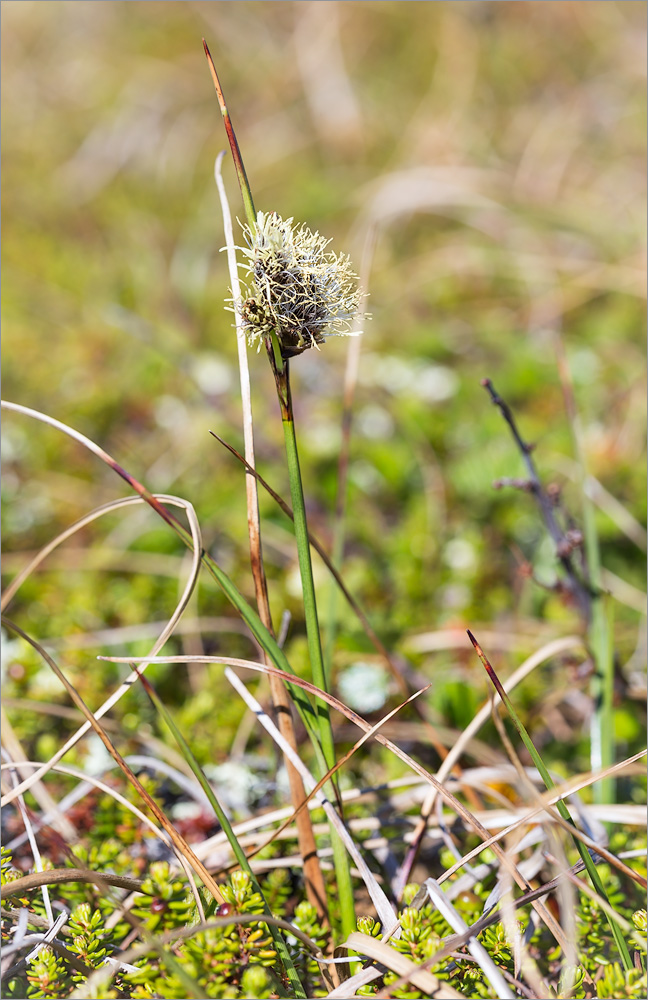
499	151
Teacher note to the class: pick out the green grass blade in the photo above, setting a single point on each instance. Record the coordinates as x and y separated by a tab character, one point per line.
239	853
340	856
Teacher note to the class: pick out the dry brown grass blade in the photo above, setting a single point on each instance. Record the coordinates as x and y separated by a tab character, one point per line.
378	897
56	876
570	956
12	745
340	763
452	801
94	782
314	879
393	960
371	634
551	649
166	631
178	841
549	797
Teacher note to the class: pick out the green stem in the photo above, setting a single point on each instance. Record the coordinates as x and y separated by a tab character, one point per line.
560	805
340	856
599	623
226	826
269	644
308	588
600	641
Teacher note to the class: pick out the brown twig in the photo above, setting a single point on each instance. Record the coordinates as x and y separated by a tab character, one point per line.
57	875
579	588
244	184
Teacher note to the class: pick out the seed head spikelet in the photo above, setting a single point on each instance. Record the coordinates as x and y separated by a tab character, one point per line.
296	288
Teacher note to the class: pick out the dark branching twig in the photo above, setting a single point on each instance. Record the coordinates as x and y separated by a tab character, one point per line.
565	541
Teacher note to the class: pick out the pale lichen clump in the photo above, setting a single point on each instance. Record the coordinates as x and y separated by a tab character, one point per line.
296	288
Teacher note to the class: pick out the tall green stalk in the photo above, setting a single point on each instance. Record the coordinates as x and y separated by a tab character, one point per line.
600	641
281	372
599	621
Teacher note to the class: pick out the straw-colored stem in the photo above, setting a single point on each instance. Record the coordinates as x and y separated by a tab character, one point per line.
313	877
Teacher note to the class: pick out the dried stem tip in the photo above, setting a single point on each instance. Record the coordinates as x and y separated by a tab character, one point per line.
296	287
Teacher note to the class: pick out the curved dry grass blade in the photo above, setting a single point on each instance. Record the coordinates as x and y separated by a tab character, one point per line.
378	897
252	620
340	763
10	591
166	632
140	760
452	801
15	752
93	782
175	837
383	953
36	855
476	949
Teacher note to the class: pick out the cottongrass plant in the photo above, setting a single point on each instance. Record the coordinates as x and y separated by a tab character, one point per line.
242	939
299	292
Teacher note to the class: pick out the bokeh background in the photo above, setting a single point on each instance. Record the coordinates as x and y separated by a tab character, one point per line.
498	152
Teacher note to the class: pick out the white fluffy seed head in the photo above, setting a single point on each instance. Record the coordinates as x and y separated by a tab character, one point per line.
295	286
